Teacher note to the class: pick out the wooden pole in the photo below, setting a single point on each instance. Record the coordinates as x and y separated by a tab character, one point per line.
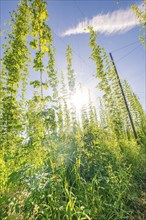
126	104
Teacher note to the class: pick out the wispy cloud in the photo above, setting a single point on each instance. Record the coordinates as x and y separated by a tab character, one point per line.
110	23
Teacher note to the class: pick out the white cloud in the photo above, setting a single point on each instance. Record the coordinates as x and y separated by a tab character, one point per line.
110	23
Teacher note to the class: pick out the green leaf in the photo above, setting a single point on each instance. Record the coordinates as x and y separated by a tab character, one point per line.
36	84
34	44
14	177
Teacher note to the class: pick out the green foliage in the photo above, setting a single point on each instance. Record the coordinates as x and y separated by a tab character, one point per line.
141	16
70	71
51	165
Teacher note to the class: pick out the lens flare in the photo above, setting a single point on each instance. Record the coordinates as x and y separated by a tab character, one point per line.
80	98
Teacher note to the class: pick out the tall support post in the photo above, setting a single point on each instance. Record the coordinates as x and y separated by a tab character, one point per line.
125	101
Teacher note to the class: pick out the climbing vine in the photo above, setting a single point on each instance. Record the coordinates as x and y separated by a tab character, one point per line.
56	163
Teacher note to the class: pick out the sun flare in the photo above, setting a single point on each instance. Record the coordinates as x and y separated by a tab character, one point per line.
80	98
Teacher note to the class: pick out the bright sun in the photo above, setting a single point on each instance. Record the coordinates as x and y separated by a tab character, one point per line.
80	98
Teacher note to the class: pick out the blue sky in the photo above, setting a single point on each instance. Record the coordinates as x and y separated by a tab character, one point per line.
64	15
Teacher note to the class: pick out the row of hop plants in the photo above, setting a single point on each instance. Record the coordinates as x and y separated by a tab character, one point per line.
52	165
